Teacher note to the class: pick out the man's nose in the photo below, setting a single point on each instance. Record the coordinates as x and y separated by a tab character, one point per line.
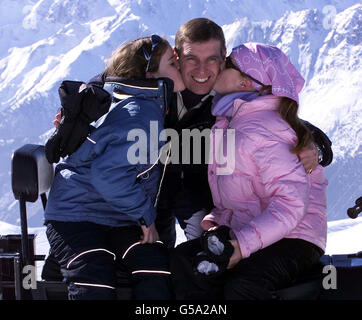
202	67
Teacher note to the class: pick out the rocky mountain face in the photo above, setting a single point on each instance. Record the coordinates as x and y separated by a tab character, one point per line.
43	42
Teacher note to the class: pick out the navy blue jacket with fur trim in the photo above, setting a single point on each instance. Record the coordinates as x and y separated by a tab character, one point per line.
98	182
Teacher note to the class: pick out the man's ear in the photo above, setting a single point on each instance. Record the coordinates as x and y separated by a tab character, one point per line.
175	53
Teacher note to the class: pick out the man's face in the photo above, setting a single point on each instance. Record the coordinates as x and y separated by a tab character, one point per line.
200	63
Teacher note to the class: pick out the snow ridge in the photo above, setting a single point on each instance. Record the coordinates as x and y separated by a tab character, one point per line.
43	42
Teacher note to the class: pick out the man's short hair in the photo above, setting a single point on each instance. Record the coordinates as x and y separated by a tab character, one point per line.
199	30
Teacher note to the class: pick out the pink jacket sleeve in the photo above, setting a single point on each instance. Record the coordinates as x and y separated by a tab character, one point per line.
286	186
219	217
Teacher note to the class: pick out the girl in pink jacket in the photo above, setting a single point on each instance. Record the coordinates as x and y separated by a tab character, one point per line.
273	214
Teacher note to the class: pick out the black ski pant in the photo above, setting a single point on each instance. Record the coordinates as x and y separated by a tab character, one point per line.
254	278
89	255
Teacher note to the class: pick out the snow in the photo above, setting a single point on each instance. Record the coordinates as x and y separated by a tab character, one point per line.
43	42
344	236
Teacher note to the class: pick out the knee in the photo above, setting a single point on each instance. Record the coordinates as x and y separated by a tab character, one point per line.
90	265
148	263
152	256
89	255
91	275
149	268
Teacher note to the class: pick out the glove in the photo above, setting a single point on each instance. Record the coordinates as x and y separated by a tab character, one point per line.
81	105
66	139
217	250
323	142
205	267
216	244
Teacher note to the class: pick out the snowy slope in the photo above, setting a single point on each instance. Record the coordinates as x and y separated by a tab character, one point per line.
43	42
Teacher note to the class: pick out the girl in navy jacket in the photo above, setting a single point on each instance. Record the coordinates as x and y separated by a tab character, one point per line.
101	208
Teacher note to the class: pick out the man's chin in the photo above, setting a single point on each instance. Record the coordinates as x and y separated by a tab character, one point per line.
200	88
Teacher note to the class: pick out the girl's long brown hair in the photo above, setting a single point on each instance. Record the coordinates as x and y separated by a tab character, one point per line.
128	60
288	110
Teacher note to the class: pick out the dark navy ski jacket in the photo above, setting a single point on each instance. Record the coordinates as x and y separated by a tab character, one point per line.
100	182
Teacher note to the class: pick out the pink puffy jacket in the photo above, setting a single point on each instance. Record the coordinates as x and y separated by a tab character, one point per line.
268	196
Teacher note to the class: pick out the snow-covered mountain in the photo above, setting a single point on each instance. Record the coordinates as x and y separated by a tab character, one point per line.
43	42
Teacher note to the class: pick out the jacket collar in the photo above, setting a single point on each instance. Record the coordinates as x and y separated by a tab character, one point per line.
266	102
224	105
120	89
149	88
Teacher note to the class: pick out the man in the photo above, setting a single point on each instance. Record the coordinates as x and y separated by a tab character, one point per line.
185	194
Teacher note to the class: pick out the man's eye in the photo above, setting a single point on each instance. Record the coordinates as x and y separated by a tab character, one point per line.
213	60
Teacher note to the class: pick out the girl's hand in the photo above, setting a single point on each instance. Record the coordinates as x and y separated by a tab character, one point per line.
56	121
237	256
150	234
308	156
207	225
